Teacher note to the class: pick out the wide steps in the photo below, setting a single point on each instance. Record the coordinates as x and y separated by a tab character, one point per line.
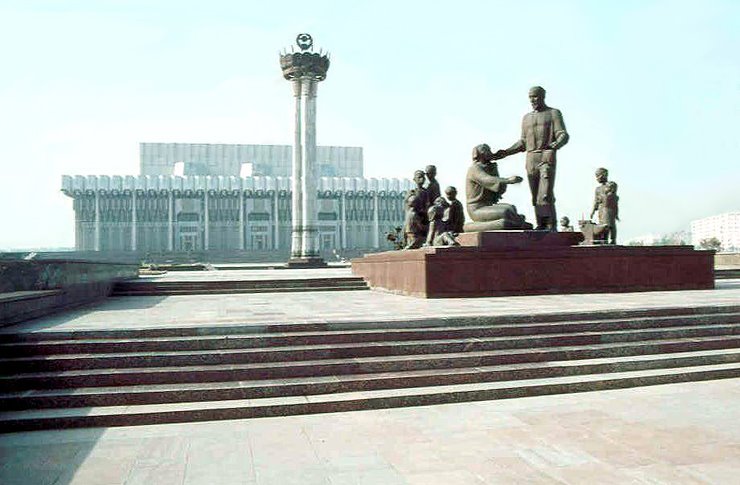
164	393
130	376
14	421
726	274
96	342
338	367
615	319
159	288
349	350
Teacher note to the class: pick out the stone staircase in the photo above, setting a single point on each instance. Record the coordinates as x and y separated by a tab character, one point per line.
152	288
87	378
727	274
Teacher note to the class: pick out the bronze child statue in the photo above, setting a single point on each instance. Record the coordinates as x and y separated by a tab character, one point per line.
611	211
565	224
606	205
432	185
440	229
416	222
456	215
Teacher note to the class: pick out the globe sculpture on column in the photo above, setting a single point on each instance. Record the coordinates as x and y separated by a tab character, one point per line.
304	69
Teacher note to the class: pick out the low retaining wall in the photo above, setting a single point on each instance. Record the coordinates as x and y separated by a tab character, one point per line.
183	257
29	289
727	259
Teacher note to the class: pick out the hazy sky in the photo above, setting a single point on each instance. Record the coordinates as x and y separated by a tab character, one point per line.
650	90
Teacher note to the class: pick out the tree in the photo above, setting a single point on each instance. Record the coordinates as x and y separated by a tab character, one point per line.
673	239
711	243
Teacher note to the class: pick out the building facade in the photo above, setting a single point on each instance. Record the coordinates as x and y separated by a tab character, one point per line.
231	160
725	227
212	205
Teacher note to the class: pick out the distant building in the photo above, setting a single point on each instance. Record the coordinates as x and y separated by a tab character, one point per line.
725	227
196	197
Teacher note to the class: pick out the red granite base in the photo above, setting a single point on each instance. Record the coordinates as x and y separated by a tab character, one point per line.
459	272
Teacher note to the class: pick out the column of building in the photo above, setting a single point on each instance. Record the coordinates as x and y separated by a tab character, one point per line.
241	220
170	220
376	221
206	221
275	222
343	199
133	220
97	221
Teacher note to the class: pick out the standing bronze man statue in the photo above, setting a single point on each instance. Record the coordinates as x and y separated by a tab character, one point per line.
543	133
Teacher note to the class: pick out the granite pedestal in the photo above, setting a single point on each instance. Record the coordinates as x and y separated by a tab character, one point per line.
534	262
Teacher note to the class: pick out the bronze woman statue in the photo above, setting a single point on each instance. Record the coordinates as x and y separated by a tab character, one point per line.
484	189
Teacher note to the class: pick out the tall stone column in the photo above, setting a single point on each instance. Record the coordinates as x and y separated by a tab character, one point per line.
305	69
296	248
310	245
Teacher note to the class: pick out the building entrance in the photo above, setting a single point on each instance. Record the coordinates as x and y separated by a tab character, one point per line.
188	234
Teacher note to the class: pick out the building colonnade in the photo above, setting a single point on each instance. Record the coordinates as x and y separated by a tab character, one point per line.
202	213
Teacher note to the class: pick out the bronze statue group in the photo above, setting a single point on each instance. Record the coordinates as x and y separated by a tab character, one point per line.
434	220
431	219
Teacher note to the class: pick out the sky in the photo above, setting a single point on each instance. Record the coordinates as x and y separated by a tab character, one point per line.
648	89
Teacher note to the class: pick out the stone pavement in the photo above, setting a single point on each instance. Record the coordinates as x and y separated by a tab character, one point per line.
348	306
679	433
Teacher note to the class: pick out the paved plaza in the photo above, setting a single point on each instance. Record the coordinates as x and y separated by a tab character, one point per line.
345	306
677	433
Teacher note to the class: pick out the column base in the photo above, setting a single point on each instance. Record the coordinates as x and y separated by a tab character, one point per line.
297	263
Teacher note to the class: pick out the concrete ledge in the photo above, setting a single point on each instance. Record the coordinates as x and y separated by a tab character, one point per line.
29	289
14	296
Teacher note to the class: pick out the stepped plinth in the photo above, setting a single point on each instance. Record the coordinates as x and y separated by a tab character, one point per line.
519	239
499	263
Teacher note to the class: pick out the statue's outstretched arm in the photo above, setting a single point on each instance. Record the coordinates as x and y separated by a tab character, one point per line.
490	182
519	146
515	148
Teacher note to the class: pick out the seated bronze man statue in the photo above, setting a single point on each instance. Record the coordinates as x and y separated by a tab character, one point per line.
484	189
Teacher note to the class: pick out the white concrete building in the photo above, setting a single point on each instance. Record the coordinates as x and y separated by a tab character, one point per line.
725	227
196	197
